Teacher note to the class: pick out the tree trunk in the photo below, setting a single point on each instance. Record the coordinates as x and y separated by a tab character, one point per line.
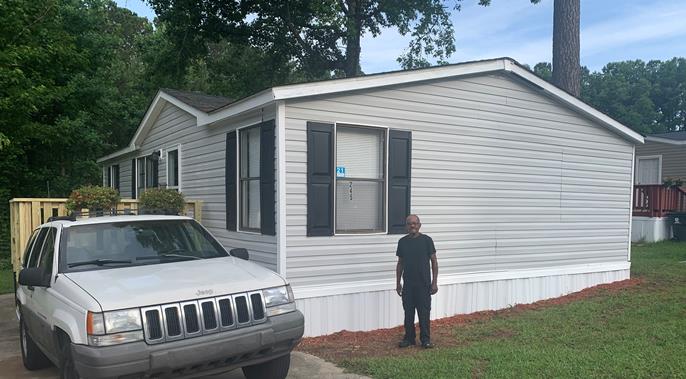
352	39
566	65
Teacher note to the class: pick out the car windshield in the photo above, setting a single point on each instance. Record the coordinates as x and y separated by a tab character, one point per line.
135	243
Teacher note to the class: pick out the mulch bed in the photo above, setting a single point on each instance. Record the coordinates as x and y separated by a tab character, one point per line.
346	345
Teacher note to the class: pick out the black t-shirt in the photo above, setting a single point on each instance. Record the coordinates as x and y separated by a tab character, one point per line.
416	254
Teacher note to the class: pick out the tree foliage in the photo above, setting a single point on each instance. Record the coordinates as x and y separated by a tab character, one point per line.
321	37
648	97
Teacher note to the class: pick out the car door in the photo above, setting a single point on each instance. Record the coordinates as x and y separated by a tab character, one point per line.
43	300
25	293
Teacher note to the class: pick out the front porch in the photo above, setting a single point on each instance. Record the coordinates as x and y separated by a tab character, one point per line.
652	205
26	214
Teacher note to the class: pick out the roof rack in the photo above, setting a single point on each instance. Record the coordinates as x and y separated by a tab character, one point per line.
61	218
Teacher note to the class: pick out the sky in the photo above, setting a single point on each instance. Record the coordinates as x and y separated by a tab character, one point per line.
611	30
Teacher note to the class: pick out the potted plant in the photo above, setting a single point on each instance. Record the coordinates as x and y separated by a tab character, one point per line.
162	201
97	199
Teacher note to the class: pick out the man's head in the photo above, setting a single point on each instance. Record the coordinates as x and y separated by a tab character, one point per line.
412	224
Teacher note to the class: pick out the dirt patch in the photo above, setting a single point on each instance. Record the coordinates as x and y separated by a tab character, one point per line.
346	345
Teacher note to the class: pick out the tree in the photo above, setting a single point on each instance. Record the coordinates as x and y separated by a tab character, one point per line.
322	37
566	62
648	97
566	67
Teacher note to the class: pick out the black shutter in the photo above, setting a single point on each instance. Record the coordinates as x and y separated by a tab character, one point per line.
267	184
399	167
320	179
230	179
155	171
133	178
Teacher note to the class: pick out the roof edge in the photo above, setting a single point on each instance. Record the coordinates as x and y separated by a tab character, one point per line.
665	140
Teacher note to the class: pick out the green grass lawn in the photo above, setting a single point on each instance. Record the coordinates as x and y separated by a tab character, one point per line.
6	285
631	333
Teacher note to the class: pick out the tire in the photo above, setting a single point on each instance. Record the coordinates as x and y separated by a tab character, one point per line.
67	366
274	369
31	355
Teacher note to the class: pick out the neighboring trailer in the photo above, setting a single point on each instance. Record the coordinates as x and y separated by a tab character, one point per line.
525	190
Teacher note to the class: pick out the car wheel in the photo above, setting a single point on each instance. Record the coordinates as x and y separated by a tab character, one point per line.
274	369
67	366
33	358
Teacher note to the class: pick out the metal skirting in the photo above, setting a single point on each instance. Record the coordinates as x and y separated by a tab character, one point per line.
383	309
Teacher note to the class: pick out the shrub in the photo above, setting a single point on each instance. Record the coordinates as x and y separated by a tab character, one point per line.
95	198
673	182
165	201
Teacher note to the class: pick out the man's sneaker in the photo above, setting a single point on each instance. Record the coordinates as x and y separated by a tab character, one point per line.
427	345
406	343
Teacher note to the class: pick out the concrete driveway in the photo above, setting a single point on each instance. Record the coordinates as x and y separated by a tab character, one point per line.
303	366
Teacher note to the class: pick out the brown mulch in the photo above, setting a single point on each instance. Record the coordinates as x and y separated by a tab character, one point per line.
345	345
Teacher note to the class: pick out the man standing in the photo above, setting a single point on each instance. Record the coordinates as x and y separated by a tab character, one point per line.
414	252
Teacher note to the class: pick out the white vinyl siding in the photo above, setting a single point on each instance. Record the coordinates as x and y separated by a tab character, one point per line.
503	178
202	167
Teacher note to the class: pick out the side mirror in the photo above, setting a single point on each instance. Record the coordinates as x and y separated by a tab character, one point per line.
34	277
240	253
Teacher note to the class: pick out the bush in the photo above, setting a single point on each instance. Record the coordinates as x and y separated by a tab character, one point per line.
164	201
95	198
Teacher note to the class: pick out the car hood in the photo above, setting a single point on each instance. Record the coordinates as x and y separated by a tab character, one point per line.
140	286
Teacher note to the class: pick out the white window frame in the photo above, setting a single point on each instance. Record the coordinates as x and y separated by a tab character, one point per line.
386	130
145	165
176	148
239	187
659	167
109	176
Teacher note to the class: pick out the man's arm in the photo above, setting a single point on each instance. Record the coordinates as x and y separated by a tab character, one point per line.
434	273
398	275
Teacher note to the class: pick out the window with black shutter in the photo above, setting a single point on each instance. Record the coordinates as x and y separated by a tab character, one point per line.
351	168
250	179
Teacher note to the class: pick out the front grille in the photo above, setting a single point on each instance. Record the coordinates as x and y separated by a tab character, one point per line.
188	319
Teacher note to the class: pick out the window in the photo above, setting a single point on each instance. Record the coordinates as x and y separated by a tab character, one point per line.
249	173
360	179
29	246
147	172
48	250
135	243
173	169
113	176
32	260
649	169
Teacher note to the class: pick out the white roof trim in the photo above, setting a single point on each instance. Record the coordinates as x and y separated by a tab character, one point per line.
294	91
116	154
665	140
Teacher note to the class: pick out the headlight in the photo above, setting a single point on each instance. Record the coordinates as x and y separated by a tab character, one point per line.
114	327
275	296
122	321
279	300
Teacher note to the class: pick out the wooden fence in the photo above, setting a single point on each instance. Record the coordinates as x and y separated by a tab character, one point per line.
657	200
27	214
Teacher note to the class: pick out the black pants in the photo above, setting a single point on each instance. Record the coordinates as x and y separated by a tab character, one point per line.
417	298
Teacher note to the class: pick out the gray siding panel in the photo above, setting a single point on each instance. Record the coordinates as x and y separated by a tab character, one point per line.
673	157
502	177
202	156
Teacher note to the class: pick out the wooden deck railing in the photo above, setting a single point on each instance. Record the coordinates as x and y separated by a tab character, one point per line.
657	200
26	214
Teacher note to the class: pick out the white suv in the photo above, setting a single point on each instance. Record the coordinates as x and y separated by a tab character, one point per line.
150	296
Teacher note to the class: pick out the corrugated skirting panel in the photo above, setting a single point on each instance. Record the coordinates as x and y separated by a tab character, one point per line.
383	309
